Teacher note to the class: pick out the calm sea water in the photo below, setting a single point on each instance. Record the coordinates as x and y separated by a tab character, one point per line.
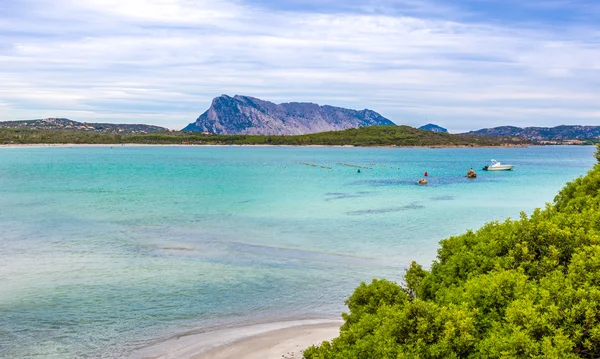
104	250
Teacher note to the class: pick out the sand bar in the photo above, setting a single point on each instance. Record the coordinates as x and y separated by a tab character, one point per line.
262	341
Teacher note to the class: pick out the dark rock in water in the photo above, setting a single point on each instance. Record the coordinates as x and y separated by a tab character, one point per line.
249	115
433	128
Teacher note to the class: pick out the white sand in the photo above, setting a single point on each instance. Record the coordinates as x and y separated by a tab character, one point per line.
284	343
282	340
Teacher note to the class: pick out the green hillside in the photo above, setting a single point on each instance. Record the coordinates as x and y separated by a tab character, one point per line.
525	288
364	136
64	124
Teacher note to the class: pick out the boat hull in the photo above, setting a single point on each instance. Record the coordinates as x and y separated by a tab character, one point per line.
499	168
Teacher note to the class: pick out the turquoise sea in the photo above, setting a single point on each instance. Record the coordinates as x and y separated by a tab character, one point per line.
104	250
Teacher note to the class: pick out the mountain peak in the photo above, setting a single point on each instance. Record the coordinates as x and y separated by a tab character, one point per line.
249	115
243	97
433	128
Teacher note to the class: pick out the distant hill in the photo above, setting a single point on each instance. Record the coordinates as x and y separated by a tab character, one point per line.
433	128
390	136
542	133
249	115
64	124
363	136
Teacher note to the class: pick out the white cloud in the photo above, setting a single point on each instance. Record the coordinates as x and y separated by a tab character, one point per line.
163	11
163	60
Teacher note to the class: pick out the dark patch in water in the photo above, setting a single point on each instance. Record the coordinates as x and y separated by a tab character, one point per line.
178	249
409	207
283	257
442	198
248	201
431	181
342	195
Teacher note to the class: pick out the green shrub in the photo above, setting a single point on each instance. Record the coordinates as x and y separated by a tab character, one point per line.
526	288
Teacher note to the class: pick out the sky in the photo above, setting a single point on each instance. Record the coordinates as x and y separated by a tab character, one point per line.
462	64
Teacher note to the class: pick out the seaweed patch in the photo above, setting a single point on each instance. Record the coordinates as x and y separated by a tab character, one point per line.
443	198
341	195
412	206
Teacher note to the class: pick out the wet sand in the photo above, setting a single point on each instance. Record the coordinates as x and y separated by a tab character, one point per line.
284	343
284	340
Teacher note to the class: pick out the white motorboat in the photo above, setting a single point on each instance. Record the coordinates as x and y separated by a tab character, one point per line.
497	166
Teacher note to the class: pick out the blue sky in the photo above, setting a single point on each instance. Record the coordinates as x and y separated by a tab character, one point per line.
464	64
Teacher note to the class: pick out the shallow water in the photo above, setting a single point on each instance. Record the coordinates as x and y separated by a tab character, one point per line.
104	250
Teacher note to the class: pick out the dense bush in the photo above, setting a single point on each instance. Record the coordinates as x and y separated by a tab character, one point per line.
526	288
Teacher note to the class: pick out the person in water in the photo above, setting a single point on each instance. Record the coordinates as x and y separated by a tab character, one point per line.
358	171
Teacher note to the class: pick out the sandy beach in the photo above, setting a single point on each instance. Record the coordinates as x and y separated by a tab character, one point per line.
262	341
284	343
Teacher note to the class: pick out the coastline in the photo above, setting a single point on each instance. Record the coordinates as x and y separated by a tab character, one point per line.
260	341
248	145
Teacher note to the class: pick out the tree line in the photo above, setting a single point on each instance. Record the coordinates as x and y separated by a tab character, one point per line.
364	136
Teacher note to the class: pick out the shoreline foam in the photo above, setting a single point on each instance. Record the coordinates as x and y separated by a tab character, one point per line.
259	341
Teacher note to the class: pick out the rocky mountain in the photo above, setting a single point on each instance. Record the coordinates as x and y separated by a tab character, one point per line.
65	124
542	133
249	115
433	128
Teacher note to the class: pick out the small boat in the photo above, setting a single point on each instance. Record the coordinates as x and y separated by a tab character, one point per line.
497	166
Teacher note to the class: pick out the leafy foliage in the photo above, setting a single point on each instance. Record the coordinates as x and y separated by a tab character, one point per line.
364	136
526	288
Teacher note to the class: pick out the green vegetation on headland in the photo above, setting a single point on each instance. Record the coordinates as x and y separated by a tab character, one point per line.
526	288
364	136
64	124
590	141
